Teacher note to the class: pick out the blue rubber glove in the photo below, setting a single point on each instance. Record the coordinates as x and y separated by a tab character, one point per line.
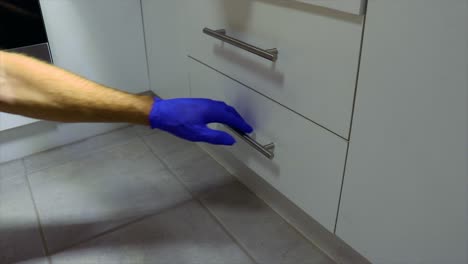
187	118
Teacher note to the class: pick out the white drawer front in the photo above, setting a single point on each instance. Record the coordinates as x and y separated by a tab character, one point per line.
308	163
356	7
316	70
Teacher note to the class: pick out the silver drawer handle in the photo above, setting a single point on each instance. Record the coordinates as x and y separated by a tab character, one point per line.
269	54
266	150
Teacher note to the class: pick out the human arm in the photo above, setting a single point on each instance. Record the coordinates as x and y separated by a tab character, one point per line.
36	89
39	90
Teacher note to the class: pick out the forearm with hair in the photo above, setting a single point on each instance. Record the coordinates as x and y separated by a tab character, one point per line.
39	90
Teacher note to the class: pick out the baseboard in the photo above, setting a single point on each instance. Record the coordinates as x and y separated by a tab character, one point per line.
328	242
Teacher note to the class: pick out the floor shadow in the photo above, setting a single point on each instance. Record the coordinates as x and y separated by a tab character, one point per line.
140	232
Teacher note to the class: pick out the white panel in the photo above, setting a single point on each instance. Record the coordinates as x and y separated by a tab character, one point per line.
164	22
101	40
309	161
356	7
405	191
315	74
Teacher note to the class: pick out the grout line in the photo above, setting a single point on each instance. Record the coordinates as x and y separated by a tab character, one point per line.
351	123
226	230
252	89
197	199
277	211
121	226
36	211
85	153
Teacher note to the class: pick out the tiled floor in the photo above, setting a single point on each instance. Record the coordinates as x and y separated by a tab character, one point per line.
136	195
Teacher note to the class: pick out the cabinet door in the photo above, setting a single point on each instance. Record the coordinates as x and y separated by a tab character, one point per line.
308	161
318	53
163	23
405	189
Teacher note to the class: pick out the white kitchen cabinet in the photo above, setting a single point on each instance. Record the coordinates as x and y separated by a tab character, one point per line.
308	161
405	196
164	23
318	53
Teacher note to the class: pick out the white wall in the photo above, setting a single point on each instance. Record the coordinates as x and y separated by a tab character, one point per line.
405	191
99	39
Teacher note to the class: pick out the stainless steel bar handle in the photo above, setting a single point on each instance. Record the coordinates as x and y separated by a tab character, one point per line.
266	150
269	54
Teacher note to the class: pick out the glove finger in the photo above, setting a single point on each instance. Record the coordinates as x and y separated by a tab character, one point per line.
228	115
215	137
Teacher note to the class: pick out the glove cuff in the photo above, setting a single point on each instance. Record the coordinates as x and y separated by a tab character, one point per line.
154	117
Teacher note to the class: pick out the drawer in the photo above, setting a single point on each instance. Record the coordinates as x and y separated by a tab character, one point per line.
357	7
308	161
315	72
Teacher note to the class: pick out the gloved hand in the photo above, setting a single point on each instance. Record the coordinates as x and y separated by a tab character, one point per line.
188	118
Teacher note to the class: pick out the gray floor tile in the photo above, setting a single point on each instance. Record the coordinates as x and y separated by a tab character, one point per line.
11	169
45	159
20	240
175	152
264	234
88	196
91	144
79	149
144	130
183	235
203	175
